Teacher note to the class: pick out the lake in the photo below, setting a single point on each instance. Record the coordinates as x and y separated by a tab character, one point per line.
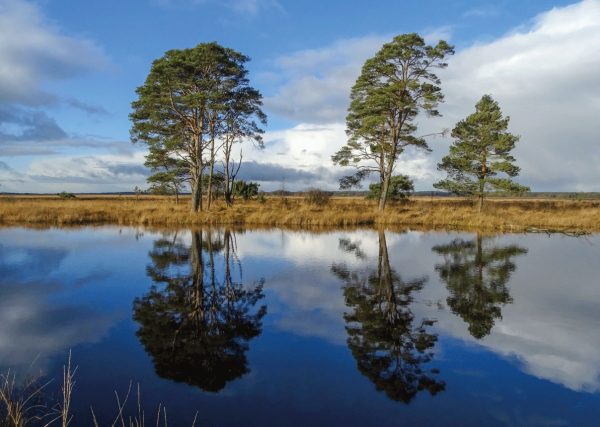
297	328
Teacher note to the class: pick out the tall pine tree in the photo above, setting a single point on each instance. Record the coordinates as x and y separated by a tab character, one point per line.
394	86
480	152
193	100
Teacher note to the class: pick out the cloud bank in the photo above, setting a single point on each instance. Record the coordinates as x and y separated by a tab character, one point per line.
546	76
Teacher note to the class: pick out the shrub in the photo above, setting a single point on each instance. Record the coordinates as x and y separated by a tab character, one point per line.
66	195
245	190
401	186
317	197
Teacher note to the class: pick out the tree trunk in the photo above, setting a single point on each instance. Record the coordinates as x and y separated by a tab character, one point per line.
197	172
484	172
228	199
210	173
197	194
481	188
384	191
228	183
388	170
209	189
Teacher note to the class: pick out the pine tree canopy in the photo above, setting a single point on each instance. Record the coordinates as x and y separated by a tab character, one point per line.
480	153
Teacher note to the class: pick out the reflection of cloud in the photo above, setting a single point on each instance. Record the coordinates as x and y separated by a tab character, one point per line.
30	326
310	296
549	331
32	322
550	328
551	325
302	248
311	303
38	263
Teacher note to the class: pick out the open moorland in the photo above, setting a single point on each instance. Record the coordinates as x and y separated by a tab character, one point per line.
506	215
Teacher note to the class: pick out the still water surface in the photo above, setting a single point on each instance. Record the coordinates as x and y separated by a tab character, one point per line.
276	327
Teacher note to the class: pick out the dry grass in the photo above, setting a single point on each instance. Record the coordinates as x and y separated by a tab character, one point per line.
437	213
23	404
20	403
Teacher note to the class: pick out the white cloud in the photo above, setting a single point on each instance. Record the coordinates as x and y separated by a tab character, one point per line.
34	51
434	35
319	80
253	7
78	173
9	175
485	11
250	8
33	54
307	150
546	77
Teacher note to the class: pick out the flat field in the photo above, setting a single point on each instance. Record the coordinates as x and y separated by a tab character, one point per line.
294	212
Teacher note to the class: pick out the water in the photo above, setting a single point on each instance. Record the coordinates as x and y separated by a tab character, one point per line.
277	327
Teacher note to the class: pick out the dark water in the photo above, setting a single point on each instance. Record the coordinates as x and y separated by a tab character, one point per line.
263	328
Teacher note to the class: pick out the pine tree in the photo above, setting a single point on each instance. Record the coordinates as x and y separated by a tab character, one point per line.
193	102
393	88
480	152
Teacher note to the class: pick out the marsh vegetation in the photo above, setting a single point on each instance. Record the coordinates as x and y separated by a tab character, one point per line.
511	215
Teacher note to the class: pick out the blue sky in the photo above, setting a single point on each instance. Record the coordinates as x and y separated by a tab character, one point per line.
69	69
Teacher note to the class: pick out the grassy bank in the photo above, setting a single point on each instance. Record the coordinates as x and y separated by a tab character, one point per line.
435	213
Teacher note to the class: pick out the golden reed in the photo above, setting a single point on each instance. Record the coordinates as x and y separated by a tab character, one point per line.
420	212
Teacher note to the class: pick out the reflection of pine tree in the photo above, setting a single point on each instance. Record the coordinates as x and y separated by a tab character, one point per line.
388	345
477	275
195	328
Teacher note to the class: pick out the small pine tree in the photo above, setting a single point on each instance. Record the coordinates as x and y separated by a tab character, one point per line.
480	152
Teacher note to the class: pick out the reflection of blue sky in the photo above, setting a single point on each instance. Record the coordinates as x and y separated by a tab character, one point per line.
59	289
64	289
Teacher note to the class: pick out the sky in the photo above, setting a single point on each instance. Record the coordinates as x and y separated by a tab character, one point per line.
69	70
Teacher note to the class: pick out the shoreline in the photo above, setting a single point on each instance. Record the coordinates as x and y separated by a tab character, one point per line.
499	215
